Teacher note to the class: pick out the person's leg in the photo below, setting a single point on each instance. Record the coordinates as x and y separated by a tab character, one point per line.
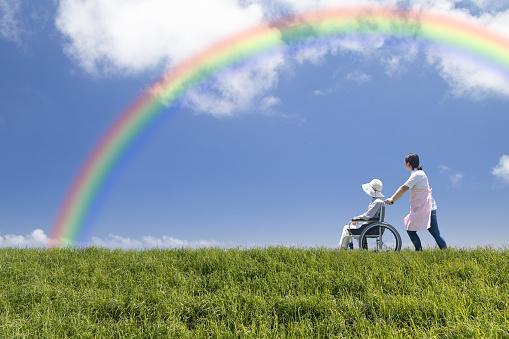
345	238
435	232
415	240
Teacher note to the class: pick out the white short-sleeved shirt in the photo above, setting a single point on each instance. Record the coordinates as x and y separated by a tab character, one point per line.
419	180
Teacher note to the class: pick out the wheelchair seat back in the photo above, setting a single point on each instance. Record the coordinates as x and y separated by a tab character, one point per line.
382	214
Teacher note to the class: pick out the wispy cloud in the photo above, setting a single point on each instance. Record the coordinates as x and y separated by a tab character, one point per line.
233	91
502	169
358	77
323	92
466	78
491	5
126	37
399	57
455	177
39	239
117	241
312	54
9	22
269	102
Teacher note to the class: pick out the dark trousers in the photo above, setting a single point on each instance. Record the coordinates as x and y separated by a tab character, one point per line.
435	232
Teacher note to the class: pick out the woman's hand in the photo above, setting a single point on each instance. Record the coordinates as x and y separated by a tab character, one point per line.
389	201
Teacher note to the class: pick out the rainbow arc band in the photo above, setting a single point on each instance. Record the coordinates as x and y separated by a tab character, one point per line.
432	27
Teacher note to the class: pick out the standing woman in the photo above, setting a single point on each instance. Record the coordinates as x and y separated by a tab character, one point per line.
423	208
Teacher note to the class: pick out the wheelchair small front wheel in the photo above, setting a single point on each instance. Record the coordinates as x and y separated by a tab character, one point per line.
380	237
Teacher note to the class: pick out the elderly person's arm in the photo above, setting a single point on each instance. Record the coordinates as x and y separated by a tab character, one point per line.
398	194
372	211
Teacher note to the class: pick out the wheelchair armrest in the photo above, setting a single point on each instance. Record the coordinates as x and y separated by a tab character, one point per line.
360	219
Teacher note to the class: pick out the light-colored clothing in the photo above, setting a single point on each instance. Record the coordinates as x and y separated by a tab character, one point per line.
421	202
346	238
419	180
373	211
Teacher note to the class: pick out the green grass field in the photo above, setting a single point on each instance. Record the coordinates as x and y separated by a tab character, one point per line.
270	292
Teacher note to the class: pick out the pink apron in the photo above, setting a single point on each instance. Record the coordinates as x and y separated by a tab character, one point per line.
419	217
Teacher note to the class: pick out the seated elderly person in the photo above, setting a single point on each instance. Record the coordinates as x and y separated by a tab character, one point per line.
373	189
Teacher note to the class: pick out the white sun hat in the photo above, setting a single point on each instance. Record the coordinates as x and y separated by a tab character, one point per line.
374	188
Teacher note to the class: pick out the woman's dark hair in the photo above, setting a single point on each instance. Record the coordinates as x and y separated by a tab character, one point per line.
413	160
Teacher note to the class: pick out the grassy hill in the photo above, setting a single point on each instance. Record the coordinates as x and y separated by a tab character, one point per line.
284	292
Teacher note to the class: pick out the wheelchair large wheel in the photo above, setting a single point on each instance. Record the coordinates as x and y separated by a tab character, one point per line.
380	237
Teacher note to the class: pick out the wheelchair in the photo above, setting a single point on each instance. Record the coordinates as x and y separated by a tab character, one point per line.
376	234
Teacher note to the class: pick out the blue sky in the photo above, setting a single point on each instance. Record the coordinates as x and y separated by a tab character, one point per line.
272	151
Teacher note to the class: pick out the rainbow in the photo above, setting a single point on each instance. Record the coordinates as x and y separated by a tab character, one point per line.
431	27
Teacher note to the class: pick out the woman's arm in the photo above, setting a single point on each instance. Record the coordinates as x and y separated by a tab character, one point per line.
398	194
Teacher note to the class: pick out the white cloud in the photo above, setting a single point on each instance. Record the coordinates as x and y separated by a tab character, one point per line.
399	57
358	77
35	239
38	239
315	53
269	102
312	54
321	92
491	5
455	177
9	23
502	169
117	241
132	36
235	90
467	75
304	5
136	35
466	78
